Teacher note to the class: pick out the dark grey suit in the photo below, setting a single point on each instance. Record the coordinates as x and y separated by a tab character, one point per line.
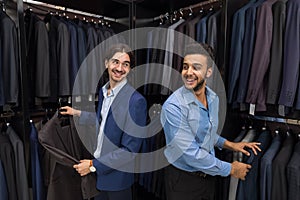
293	174
266	168
275	69
20	169
66	149
291	55
9	58
279	181
258	77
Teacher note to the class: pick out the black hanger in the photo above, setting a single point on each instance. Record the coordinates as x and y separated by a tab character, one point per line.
264	127
3	5
4	127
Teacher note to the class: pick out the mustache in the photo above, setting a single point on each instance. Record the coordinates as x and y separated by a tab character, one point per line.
115	70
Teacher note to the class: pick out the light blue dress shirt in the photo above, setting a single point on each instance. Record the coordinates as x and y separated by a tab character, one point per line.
191	133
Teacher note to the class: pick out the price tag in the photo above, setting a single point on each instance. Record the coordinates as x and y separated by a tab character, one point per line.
90	97
78	99
281	111
252	109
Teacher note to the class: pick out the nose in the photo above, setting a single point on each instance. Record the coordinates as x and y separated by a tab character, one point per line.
119	66
189	70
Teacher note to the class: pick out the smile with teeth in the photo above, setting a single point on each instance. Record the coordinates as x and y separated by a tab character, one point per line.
118	73
190	80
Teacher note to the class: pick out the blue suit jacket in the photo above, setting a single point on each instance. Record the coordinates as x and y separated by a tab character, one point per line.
123	138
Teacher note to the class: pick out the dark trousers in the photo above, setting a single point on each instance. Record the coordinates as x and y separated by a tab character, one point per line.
115	195
181	185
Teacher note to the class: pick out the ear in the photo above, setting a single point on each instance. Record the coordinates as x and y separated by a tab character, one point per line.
106	64
209	72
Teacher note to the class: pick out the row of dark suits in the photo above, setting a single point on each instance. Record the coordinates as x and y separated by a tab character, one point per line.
264	54
13	180
57	48
166	47
274	173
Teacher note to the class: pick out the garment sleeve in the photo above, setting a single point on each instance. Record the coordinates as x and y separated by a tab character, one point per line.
87	118
220	142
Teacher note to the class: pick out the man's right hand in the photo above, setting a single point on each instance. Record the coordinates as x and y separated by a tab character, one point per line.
239	170
67	110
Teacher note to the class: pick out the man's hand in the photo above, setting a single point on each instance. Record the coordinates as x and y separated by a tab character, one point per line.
67	110
240	146
83	168
239	170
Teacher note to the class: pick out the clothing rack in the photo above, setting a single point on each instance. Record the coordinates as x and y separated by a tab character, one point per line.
68	12
190	10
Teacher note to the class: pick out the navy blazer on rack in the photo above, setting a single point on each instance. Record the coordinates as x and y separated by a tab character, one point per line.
117	158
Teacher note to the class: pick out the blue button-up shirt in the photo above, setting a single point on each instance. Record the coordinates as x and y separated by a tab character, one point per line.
191	132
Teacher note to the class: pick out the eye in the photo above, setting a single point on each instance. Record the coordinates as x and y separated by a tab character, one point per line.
126	64
197	66
115	62
185	67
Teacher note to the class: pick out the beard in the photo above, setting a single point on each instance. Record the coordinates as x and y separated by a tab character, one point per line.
199	85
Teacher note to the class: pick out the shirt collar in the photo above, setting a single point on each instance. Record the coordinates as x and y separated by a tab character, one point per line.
189	96
115	90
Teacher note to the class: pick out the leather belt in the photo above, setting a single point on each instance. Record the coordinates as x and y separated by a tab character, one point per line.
199	174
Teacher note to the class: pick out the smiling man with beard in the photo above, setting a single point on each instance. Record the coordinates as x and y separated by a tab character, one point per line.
120	109
190	121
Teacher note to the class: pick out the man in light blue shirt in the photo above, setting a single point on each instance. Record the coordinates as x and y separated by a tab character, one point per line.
190	121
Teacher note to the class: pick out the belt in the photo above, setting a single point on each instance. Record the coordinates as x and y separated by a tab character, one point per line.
198	173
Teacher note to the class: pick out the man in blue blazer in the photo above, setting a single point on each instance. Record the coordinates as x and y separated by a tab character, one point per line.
121	109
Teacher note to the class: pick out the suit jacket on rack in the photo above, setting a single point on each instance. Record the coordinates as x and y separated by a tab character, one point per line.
261	56
293	174
247	51
38	189
20	169
279	180
237	37
266	168
250	185
59	58
59	137
120	142
9	58
8	160
292	55
3	184
276	63
238	156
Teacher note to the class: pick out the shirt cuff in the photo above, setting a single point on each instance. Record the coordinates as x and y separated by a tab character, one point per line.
83	117
220	142
225	169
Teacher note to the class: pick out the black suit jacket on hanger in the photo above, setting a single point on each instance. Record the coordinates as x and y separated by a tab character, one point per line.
7	158
279	167
65	146
9	58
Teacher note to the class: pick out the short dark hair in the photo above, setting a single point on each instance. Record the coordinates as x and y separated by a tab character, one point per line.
124	48
203	49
